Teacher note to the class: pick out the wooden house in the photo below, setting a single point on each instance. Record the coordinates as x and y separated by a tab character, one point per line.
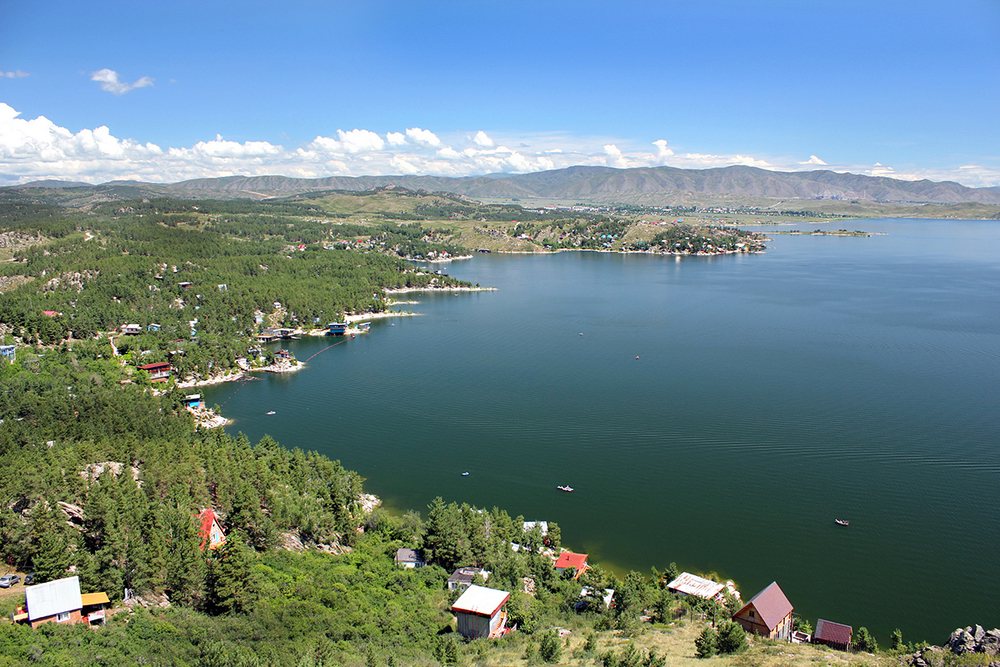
481	612
210	530
131	329
834	635
568	559
768	614
60	601
409	558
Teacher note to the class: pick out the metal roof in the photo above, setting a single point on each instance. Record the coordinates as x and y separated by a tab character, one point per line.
53	597
569	559
480	600
692	584
835	633
771	604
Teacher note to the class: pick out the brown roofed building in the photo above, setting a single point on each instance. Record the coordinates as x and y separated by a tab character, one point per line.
768	614
835	635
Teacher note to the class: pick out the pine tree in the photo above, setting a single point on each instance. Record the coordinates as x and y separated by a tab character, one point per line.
707	643
732	637
864	641
233	582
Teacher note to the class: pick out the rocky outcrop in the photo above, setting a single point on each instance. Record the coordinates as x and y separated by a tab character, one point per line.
963	641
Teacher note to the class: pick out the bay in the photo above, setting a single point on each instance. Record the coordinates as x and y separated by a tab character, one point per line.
719	412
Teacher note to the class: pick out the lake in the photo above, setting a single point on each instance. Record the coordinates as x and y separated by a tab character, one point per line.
719	412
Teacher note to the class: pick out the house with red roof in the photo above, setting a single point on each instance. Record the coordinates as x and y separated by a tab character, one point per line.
158	372
568	559
210	530
834	635
768	614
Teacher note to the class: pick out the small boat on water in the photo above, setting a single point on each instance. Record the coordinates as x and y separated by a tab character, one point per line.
465	474
565	488
271	412
841	522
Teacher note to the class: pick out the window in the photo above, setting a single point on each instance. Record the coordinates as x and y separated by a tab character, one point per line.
63	617
751	614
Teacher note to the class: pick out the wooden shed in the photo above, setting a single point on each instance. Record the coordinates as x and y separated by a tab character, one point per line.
834	635
481	612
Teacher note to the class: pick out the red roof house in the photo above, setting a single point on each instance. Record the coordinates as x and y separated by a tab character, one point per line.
768	614
158	372
210	530
568	559
836	635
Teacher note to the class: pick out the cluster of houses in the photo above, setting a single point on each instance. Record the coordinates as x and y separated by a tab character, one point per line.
768	614
61	600
481	612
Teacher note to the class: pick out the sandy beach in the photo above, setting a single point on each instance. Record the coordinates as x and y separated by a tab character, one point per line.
405	290
231	376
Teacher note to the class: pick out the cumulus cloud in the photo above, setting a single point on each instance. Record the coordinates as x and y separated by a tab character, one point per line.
16	74
33	149
813	160
662	152
108	78
482	139
423	137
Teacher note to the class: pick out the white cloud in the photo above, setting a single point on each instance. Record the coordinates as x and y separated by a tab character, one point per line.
482	139
108	78
424	137
813	160
34	149
16	74
662	152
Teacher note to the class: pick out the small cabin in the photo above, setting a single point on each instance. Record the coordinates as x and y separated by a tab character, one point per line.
464	577
7	352
481	612
210	530
131	329
153	327
409	558
60	601
768	614
184	285
834	635
568	560
158	372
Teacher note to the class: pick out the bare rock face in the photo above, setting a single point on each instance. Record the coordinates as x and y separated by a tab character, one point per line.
963	641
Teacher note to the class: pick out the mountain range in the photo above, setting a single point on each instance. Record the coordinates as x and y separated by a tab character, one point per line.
663	185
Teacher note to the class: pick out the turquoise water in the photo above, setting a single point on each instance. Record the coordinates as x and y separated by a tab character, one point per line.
850	378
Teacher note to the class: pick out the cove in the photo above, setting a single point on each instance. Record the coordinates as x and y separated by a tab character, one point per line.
851	378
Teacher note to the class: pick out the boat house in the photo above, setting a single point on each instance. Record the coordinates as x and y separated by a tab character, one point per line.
481	612
60	601
768	614
834	635
193	401
337	328
568	559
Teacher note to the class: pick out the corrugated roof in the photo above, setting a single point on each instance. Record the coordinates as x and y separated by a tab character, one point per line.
835	633
94	598
480	600
692	584
771	605
53	597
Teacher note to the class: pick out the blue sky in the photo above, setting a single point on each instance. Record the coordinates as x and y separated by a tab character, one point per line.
166	91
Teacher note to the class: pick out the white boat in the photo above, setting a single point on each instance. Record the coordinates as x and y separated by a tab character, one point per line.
565	488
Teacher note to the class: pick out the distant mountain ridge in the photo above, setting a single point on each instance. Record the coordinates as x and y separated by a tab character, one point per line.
604	184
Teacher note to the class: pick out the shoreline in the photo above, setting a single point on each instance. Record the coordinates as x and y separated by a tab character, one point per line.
405	290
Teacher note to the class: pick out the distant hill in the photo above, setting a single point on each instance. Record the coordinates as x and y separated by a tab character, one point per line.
585	184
